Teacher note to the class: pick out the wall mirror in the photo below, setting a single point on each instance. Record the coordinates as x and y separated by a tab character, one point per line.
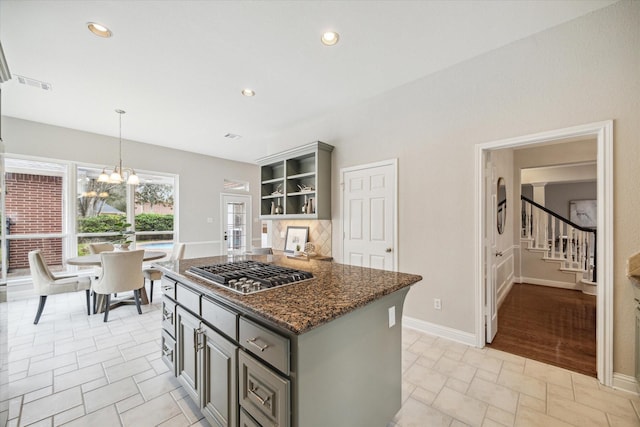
501	201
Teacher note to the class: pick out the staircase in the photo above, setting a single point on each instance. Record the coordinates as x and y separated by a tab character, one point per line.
567	247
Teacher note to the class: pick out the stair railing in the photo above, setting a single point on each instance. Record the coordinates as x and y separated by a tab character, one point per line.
559	238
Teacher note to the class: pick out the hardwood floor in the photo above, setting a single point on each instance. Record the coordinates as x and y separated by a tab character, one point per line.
551	325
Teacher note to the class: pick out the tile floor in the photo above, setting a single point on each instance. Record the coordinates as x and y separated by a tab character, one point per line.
74	370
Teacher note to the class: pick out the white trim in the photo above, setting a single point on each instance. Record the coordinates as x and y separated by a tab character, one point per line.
439	331
550	283
626	383
389	162
603	131
248	217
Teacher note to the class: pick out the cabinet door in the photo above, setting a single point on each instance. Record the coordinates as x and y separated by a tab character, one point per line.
219	372
187	331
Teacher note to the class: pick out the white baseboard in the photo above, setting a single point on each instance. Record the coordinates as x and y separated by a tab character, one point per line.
440	331
626	383
550	283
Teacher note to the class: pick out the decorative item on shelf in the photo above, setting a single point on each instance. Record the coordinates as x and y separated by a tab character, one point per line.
297	252
278	190
119	173
305	188
279	209
296	237
304	209
310	206
273	208
310	249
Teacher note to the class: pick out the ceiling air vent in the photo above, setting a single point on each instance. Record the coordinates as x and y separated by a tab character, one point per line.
33	82
232	136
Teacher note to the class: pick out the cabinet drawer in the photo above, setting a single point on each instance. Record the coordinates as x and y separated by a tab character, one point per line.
168	287
246	420
188	299
169	351
267	345
223	319
263	393
169	316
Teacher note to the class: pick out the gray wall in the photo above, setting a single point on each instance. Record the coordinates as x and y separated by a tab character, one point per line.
579	72
557	196
200	177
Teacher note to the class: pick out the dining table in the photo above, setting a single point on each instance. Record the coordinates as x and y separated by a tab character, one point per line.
96	260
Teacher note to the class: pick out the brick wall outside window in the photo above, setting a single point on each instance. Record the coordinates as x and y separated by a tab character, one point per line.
34	206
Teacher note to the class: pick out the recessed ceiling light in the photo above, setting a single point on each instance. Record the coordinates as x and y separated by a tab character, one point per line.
99	29
248	92
330	38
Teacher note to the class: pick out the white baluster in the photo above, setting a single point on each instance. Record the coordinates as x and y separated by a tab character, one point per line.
570	246
554	221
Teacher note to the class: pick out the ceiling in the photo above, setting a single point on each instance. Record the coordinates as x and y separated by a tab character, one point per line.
178	67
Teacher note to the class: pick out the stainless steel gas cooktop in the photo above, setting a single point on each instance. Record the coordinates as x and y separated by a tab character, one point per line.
249	277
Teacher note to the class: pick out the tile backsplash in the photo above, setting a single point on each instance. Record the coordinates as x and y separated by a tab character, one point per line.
319	234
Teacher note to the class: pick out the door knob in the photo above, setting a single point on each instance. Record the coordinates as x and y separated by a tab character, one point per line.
498	253
388	250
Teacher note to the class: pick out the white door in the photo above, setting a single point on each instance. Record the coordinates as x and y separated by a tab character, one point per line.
369	215
236	224
490	238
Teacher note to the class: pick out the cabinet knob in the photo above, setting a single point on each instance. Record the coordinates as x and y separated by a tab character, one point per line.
389	250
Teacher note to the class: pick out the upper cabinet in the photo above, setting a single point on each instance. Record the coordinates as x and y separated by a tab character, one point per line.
296	184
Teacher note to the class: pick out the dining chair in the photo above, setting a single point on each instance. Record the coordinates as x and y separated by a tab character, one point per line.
152	274
121	272
96	248
45	283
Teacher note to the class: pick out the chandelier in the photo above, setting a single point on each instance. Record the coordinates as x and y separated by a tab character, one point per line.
119	173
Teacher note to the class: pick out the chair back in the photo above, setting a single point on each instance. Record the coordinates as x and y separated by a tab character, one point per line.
40	273
121	272
96	248
178	252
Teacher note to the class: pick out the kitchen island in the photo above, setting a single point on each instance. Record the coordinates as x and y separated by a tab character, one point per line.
322	352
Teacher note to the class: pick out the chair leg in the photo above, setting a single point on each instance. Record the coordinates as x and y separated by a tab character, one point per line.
136	296
43	300
88	302
95	303
151	292
106	308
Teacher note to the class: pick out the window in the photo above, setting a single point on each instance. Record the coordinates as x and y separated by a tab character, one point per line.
154	212
34	214
60	207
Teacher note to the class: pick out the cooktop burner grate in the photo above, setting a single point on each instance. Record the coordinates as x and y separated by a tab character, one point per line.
247	277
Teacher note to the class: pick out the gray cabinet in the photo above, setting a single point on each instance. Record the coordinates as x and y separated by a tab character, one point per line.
296	184
207	366
219	367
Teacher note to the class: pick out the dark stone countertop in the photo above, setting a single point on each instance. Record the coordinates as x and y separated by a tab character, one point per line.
335	290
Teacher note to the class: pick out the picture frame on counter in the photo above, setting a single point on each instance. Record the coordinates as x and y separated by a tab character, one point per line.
296	236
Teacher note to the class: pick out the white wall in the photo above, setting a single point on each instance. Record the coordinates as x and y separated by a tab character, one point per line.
200	177
583	71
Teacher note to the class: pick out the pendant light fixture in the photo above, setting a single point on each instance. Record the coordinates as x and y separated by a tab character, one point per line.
119	173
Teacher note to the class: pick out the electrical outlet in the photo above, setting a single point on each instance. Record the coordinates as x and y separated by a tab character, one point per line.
437	304
392	316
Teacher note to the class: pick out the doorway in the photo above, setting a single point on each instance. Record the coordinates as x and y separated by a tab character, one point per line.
369	215
236	224
486	308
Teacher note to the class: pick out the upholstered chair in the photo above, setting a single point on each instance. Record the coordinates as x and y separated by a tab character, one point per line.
45	283
153	274
121	272
96	248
